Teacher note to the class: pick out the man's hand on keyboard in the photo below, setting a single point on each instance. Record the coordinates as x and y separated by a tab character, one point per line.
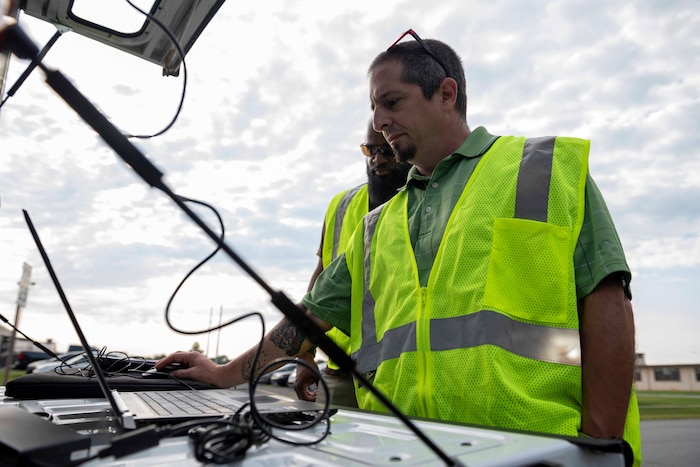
193	365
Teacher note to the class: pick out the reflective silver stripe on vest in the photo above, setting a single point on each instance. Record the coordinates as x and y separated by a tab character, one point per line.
368	324
547	344
532	192
339	215
544	343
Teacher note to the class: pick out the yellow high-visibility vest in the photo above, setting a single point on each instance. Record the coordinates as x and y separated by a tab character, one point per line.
344	213
493	338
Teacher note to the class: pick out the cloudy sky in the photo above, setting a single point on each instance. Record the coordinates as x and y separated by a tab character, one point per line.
275	109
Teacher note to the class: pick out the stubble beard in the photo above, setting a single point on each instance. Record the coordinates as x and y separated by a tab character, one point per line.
405	155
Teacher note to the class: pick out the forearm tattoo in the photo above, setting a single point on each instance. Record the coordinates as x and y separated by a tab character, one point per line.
247	369
287	337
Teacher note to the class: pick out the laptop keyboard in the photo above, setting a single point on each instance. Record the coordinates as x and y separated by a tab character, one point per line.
183	403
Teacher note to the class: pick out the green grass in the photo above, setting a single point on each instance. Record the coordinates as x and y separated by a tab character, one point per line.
13	374
666	405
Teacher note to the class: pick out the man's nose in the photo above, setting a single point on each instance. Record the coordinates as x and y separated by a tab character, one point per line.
381	158
380	121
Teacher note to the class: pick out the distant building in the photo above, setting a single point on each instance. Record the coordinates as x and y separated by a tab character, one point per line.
20	342
682	377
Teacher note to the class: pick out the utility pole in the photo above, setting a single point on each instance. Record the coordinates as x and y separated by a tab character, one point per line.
218	333
211	312
24	283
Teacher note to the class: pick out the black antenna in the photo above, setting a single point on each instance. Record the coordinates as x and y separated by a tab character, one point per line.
35	61
23	47
124	416
37	343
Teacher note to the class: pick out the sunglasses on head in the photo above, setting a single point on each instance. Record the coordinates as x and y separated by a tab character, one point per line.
422	43
371	150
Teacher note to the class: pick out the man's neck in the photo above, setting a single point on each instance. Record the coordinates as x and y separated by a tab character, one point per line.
451	142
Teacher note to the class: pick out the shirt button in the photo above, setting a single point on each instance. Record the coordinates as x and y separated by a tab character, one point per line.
428	209
436	184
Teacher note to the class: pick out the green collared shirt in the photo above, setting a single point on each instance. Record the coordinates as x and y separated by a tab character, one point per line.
431	201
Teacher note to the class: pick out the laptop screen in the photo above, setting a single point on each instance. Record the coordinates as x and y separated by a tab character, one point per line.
124	417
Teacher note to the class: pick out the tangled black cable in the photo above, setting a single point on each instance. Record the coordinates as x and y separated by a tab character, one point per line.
291	422
227	440
222	234
113	362
181	53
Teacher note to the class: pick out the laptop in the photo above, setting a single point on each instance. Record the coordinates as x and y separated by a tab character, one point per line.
138	408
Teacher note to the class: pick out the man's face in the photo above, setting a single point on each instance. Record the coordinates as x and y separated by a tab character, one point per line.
407	120
380	164
385	174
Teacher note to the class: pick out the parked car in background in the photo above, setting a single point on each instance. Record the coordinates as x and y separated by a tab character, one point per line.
293	377
286	374
265	379
25	357
279	374
78	360
53	361
3	359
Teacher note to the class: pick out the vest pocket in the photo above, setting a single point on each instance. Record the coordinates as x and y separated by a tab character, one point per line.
529	270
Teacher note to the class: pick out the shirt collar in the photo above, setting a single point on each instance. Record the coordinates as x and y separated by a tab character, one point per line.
475	145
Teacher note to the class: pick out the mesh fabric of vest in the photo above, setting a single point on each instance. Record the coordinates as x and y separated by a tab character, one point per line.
487	261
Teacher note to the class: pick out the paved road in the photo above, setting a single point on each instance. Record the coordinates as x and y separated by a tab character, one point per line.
671	443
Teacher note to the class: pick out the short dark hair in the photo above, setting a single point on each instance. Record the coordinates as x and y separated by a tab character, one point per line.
421	69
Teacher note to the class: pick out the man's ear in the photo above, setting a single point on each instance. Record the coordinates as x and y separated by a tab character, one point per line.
448	92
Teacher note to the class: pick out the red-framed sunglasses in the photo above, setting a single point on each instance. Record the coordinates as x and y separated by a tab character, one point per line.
422	43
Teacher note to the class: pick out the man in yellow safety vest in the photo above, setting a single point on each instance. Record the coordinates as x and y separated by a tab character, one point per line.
492	290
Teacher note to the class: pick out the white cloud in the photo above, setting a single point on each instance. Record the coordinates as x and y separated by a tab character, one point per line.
275	108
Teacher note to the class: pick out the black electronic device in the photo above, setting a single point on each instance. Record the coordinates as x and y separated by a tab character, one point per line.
29	440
